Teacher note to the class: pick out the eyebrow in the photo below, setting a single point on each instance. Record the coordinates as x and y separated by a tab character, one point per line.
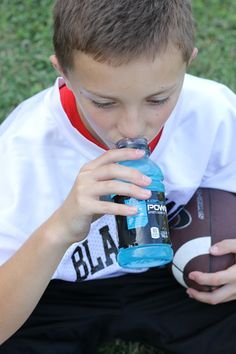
167	89
164	90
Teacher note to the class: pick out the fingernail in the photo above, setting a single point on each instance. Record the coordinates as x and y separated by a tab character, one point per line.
189	294
146	192
147	179
191	276
214	249
140	152
132	210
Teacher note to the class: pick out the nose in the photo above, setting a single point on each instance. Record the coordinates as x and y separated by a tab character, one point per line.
131	124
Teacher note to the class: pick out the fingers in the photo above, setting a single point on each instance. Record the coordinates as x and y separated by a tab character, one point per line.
223	247
110	179
95	189
113	209
112	156
89	201
223	294
120	188
115	171
224	283
104	176
92	204
98	178
215	279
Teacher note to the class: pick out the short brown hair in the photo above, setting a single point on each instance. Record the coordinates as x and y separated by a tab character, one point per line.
117	31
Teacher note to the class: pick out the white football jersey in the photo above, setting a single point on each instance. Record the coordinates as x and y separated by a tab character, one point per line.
41	154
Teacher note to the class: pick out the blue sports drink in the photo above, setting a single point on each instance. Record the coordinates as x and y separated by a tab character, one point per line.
144	238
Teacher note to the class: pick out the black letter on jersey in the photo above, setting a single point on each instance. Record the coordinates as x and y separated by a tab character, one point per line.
99	266
108	241
78	262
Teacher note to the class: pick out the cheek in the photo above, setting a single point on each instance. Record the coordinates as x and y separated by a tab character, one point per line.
161	114
167	109
92	114
102	119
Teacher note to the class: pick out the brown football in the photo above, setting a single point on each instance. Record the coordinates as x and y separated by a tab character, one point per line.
209	217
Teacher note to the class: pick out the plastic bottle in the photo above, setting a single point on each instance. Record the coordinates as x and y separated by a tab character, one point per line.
144	238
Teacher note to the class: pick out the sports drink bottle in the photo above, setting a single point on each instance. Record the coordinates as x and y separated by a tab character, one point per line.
144	238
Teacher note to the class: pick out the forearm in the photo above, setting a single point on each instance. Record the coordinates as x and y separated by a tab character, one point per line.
24	277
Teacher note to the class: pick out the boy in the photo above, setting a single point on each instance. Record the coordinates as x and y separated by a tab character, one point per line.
122	65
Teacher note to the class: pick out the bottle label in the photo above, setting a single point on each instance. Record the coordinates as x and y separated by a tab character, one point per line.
148	226
141	218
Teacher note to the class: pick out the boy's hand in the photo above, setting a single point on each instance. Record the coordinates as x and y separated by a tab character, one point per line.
97	178
226	279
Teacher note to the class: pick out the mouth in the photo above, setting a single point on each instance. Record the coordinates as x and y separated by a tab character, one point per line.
131	142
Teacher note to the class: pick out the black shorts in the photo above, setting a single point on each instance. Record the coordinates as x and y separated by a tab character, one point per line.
77	318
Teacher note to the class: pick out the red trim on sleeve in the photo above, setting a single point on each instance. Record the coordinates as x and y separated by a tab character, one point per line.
69	105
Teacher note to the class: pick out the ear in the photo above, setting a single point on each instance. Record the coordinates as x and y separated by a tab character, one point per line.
193	55
58	68
56	65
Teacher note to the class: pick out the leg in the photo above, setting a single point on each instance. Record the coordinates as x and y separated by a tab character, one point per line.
62	323
158	312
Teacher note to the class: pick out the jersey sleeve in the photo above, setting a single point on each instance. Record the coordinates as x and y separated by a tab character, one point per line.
221	168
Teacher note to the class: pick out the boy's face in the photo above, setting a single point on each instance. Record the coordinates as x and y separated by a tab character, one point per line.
130	100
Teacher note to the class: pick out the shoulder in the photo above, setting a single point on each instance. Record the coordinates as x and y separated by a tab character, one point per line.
208	101
21	114
203	90
32	118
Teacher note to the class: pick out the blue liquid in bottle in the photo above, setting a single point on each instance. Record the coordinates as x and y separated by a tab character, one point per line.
144	240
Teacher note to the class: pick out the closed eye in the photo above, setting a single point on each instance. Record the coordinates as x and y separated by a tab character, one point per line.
158	102
104	105
107	105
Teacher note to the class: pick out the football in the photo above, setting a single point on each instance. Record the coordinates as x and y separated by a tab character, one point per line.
209	217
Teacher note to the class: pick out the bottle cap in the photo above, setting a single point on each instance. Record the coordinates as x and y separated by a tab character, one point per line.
135	143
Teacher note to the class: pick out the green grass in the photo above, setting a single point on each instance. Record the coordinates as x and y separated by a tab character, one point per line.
25	47
216	40
121	347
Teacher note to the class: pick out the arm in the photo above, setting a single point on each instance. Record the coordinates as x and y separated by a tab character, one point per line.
24	277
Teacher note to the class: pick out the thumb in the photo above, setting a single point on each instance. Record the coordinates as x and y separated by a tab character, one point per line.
223	247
